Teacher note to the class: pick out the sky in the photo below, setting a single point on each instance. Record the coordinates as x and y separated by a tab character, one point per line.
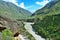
30	5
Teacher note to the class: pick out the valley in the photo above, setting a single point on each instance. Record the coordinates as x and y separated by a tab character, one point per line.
17	23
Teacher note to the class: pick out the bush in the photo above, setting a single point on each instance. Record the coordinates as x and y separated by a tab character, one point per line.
7	35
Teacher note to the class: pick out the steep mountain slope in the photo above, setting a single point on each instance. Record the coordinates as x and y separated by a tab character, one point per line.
47	21
51	8
12	11
10	28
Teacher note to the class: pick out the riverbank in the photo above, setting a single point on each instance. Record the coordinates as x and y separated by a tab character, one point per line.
29	28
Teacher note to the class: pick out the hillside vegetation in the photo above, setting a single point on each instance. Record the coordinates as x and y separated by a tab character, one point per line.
47	21
51	8
11	25
12	11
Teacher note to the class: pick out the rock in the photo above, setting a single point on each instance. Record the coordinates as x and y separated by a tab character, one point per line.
17	38
14	26
2	28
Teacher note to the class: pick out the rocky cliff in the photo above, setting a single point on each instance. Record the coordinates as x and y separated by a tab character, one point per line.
13	26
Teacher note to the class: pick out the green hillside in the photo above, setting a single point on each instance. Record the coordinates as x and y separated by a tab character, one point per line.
47	21
51	8
10	16
12	11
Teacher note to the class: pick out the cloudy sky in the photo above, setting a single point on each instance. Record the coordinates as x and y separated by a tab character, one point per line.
31	5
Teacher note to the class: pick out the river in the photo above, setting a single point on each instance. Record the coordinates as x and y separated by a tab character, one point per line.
29	28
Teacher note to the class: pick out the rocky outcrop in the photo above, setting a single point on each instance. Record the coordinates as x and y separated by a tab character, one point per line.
14	26
17	38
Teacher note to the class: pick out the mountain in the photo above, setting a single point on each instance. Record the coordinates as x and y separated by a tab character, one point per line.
10	28
47	21
50	9
12	11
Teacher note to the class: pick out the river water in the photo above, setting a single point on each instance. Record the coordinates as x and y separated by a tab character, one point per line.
29	28
21	36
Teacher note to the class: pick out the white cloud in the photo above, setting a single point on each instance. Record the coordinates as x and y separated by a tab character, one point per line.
15	2
42	3
22	5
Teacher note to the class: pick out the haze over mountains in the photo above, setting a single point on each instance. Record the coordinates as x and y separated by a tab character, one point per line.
51	8
12	11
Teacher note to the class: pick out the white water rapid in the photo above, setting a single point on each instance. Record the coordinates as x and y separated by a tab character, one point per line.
29	28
